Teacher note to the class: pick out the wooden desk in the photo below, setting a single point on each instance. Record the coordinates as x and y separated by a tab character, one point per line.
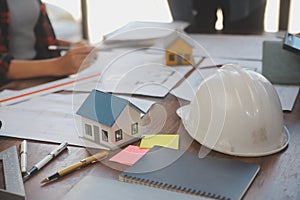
279	177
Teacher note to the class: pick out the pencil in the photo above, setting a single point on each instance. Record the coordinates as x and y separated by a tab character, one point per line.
78	165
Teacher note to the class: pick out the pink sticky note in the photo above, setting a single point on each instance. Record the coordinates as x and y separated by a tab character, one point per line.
129	155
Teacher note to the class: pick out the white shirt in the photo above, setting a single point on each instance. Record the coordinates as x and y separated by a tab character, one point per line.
23	17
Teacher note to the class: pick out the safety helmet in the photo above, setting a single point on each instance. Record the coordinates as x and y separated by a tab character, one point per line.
237	112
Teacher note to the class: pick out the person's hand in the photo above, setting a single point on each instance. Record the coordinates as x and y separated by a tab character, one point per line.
81	43
79	57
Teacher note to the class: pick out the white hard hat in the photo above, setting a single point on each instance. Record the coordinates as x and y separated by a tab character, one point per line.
238	112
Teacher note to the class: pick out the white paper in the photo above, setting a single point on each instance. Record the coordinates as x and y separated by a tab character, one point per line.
120	71
248	64
247	47
43	89
139	31
6	93
187	89
137	72
142	104
51	118
48	118
287	95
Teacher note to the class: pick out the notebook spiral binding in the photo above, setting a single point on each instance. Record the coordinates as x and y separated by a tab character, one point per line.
170	187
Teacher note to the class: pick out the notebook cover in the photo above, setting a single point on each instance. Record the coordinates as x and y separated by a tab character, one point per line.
185	172
97	188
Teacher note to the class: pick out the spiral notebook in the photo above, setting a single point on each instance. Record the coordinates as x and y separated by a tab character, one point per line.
185	172
98	188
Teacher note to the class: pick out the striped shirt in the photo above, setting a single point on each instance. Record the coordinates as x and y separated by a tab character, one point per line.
44	35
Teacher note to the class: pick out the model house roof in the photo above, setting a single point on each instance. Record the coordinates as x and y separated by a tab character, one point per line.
169	40
103	107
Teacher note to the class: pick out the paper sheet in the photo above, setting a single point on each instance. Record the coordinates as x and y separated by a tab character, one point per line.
54	86
287	95
6	93
165	140
121	71
247	47
248	64
139	31
129	155
50	118
142	104
187	89
140	73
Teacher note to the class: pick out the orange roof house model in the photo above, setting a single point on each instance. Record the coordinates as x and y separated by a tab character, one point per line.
179	50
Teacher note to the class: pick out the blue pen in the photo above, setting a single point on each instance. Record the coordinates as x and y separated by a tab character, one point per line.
45	160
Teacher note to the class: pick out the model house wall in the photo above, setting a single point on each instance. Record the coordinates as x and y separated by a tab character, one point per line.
129	122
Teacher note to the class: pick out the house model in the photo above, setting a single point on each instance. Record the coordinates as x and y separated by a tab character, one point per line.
179	50
109	121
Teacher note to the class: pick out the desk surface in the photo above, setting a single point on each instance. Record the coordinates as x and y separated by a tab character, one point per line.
279	177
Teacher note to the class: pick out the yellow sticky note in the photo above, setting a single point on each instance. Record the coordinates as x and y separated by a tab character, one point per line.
165	140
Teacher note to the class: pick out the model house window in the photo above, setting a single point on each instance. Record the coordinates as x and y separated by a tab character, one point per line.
118	135
105	135
171	57
88	130
134	128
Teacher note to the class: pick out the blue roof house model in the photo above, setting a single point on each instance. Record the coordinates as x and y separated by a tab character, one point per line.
109	121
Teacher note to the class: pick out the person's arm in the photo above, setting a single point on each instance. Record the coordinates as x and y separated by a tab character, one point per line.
63	43
5	60
74	60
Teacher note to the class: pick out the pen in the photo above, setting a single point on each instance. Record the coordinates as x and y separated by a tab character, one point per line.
45	160
212	66
58	48
23	154
66	48
78	165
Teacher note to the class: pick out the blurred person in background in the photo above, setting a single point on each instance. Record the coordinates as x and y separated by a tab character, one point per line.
25	35
239	16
